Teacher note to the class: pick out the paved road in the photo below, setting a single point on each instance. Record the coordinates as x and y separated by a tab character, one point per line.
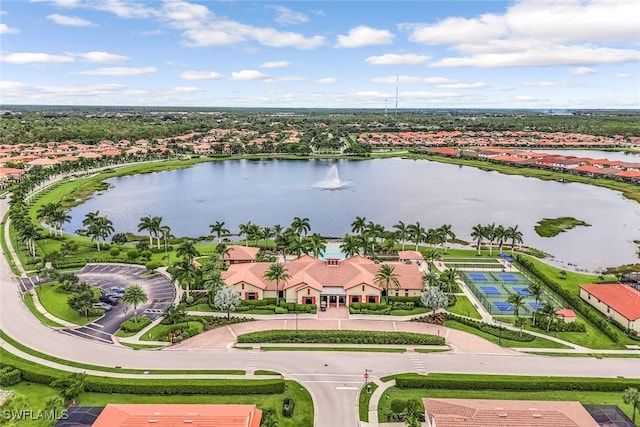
332	378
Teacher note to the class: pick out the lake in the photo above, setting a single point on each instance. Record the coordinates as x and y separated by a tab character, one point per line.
269	192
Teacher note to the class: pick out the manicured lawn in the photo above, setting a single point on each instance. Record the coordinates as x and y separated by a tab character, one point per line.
536	343
5	248
592	397
363	402
56	303
549	227
418	310
302	415
161	332
464	307
141	346
594	355
28	300
350	349
33	397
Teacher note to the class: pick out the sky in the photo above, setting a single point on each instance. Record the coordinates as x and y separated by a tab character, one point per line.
560	54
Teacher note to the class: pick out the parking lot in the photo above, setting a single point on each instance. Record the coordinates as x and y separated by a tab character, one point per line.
160	291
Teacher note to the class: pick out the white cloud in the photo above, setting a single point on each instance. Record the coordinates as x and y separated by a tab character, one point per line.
537	33
623	75
5	29
118	71
35	58
186	89
72	21
19	90
364	36
249	75
441	82
275	64
327	80
523	98
200	75
125	9
398	59
545	84
101	57
579	71
202	28
285	79
287	16
545	56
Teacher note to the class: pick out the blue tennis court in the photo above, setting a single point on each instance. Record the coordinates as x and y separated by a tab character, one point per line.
506	277
535	305
503	306
490	291
522	291
478	277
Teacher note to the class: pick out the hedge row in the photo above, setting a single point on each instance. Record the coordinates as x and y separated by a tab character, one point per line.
340	337
45	375
10	376
476	382
491	329
573	300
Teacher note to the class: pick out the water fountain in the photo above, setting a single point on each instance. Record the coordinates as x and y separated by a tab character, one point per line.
332	181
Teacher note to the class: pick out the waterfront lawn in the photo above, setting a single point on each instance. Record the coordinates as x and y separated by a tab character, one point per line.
302	414
584	397
549	227
28	300
56	303
464	307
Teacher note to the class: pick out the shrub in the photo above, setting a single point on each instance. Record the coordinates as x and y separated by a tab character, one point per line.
131	326
398	406
114	251
281	310
10	376
333	336
146	254
152	265
132	254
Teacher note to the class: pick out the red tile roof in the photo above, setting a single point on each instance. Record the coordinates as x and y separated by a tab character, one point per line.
565	312
622	298
507	413
121	415
241	253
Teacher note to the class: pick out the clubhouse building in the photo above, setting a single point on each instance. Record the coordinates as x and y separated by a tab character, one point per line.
619	302
337	282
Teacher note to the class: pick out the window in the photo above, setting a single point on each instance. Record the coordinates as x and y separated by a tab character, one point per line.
355	298
371	298
406	293
280	294
252	295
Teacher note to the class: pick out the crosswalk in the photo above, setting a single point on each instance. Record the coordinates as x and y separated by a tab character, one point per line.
252	362
416	362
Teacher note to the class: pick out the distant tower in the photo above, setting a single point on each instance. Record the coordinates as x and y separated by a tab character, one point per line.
396	94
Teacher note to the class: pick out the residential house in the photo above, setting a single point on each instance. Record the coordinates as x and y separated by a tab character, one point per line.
617	301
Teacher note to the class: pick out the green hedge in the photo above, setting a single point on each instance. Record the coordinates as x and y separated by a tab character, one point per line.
572	299
340	337
44	375
10	376
491	329
133	326
515	383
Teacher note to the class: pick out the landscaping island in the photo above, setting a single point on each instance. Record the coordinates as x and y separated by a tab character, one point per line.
549	227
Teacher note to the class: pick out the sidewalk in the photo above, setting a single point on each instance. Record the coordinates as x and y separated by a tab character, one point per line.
135	339
45	313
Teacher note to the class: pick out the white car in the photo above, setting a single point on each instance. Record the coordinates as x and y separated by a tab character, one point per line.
102	305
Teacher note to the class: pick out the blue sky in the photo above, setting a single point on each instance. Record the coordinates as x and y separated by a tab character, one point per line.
443	54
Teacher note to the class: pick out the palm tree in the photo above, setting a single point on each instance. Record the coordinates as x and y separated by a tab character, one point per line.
417	232
449	279
477	234
298	245
317	244
244	231
358	224
402	232
277	273
301	225
515	235
517	301
631	396
134	295
47	212
500	235
490	234
218	229
350	245
147	223
59	218
28	235
447	233
536	291
188	251
386	276
186	274
267	233
165	232
549	310
90	218
431	279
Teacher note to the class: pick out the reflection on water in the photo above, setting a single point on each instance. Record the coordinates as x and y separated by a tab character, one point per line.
384	191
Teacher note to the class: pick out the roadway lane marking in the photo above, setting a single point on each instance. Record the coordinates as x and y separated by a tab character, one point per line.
347	388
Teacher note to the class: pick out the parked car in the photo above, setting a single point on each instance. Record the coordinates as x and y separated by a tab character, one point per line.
110	299
116	289
103	305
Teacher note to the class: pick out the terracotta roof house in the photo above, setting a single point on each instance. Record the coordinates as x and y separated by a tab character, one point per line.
338	282
505	413
615	300
241	254
120	415
566	315
405	256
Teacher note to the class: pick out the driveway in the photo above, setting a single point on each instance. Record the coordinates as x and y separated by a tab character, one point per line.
159	289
